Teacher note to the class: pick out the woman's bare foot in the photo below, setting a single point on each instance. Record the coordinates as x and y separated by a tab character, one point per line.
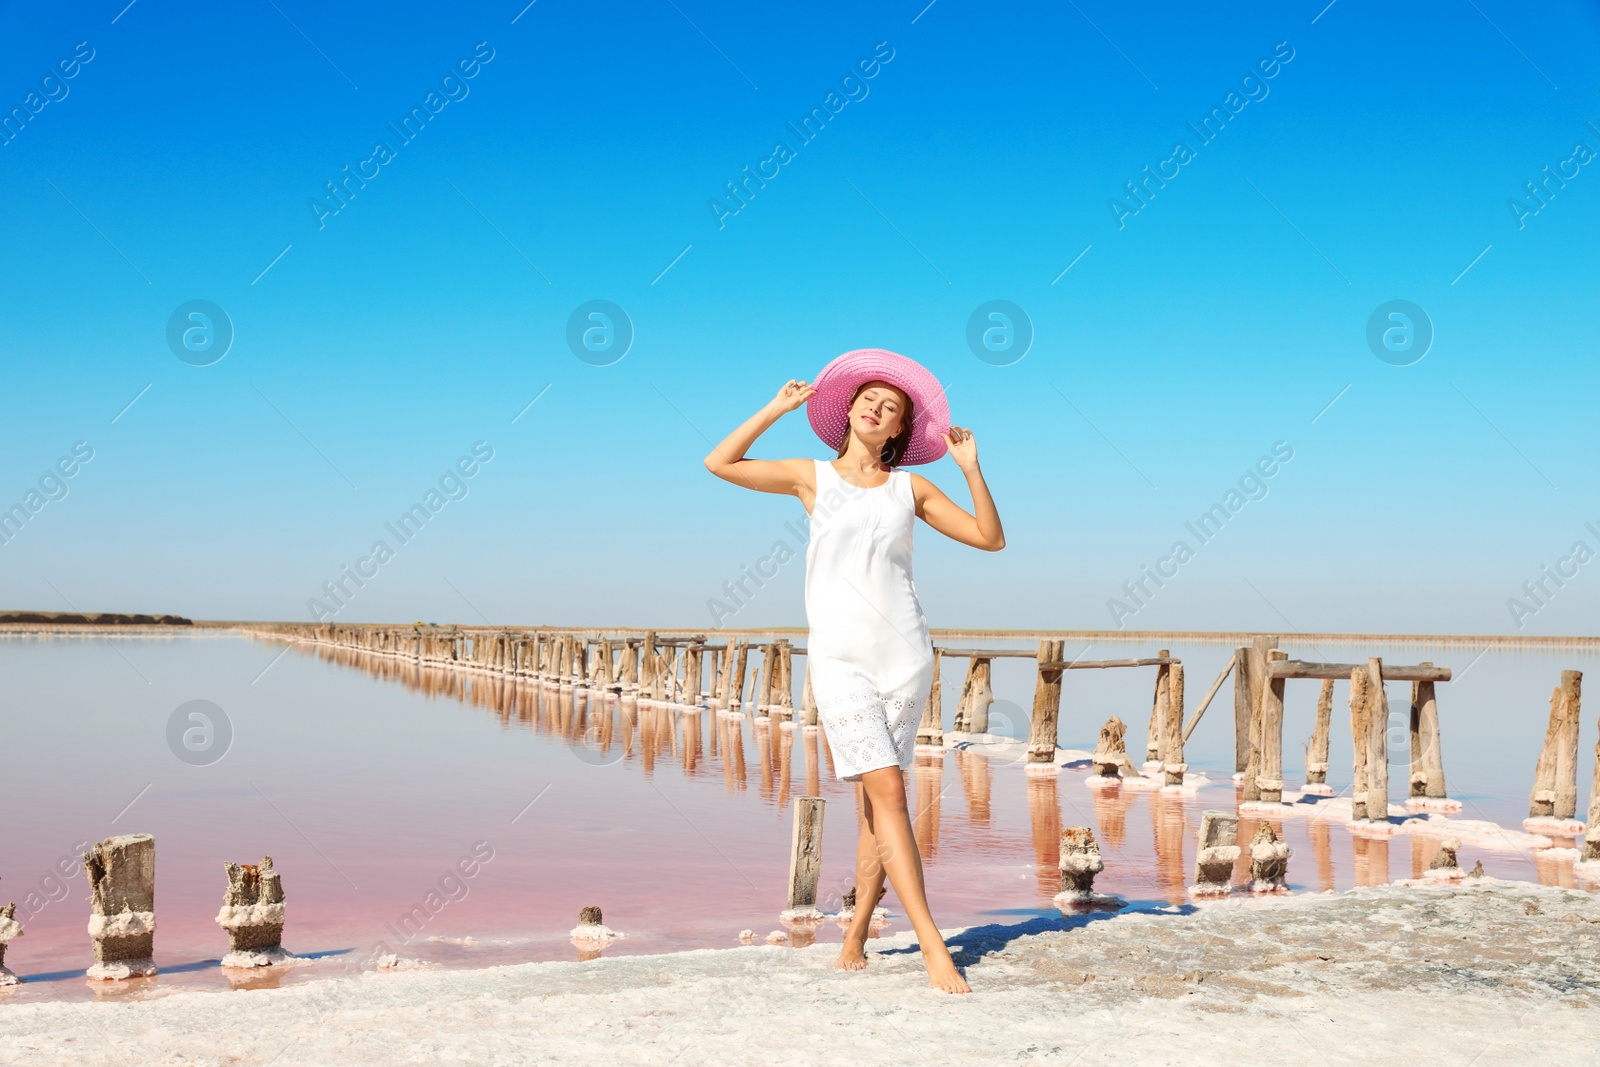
852	957
942	974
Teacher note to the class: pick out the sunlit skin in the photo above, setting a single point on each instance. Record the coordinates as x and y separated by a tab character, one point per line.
887	845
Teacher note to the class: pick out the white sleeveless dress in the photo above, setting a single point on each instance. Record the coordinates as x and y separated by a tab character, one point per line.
869	653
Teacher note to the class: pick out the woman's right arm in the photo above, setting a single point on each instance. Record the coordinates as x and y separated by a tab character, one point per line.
786	476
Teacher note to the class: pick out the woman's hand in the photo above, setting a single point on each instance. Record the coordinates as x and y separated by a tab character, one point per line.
963	448
793	395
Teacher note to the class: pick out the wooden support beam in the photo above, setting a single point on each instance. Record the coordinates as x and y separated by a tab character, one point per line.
1205	701
1097	664
1046	704
1296	668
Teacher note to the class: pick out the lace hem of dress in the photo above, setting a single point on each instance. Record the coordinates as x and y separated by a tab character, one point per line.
867	731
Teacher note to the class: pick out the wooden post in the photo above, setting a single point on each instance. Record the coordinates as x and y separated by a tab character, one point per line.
1080	862
805	859
1377	746
1555	782
725	674
1046	705
763	698
1158	712
1218	852
1591	841
252	913
972	712
1172	747
1255	663
1317	751
931	730
691	672
630	667
1360	713
1270	781
122	888
808	702
1427	761
1566	802
1241	710
740	662
786	681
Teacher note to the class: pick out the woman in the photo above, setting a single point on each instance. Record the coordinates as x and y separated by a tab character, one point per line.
868	651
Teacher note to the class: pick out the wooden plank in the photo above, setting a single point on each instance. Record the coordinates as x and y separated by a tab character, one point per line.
1296	668
1378	745
1091	664
1241	708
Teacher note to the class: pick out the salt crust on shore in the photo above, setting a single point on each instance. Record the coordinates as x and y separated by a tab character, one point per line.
1490	972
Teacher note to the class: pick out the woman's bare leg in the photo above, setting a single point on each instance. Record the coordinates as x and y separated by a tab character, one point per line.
869	886
899	857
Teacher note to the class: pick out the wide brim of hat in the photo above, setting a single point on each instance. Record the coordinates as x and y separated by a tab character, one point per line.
836	385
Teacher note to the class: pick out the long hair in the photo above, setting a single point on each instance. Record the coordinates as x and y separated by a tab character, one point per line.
894	449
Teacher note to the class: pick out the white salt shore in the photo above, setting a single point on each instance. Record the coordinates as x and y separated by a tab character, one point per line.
1487	972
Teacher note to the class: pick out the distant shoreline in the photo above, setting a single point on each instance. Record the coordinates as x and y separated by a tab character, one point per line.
14	623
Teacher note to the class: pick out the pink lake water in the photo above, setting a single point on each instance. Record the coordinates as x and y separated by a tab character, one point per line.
374	784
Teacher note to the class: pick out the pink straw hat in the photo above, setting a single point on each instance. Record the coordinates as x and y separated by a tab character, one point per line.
836	385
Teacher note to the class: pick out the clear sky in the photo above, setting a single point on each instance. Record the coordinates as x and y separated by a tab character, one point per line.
957	154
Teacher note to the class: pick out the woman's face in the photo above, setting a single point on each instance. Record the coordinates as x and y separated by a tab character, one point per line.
878	413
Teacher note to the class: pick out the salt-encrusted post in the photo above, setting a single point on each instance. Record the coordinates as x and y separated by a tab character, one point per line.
1427	759
1269	861
1591	843
972	712
931	730
1080	862
1172	746
763	694
805	859
785	700
1270	780
602	674
1317	754
1158	706
252	913
9	928
122	898
630	667
1360	714
1218	852
1046	704
1377	746
725	674
1111	754
691	669
740	665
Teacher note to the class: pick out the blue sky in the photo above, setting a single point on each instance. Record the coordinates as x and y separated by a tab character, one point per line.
978	163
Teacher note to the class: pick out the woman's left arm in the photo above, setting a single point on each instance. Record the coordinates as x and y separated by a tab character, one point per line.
980	530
